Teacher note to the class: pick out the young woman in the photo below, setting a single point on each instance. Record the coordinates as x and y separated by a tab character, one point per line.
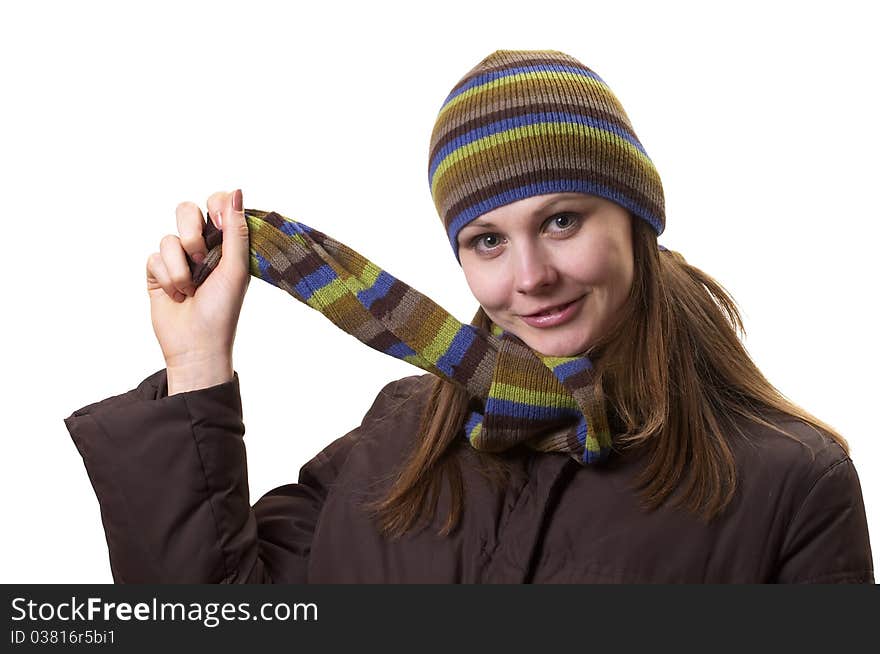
598	421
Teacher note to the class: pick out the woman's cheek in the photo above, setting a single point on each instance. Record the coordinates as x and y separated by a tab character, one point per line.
599	268
489	290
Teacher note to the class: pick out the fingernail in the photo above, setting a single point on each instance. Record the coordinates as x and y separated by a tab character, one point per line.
218	219
179	297
236	200
190	290
198	257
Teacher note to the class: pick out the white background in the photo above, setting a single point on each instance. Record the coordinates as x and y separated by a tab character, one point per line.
761	118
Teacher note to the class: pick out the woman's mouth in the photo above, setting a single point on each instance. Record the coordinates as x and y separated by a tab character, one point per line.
554	315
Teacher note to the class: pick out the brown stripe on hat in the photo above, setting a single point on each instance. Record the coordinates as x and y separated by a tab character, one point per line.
591	95
579	147
527	106
514	59
535	86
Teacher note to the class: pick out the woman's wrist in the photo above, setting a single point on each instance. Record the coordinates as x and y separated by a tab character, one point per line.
183	379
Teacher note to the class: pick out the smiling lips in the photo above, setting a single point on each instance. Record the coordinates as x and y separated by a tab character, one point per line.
552	316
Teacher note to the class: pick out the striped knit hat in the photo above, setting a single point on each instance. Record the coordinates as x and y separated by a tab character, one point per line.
531	122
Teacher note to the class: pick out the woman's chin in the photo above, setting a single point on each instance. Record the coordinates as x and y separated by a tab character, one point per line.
561	352
551	342
556	347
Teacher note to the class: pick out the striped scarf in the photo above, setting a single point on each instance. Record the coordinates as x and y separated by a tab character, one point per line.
543	402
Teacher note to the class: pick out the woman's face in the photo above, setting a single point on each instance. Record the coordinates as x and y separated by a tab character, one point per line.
536	254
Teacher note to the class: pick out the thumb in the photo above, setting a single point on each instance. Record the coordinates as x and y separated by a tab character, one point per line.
236	239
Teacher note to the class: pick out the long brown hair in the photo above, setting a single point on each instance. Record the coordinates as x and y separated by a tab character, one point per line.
674	371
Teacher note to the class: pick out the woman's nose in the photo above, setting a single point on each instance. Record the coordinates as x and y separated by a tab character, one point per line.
534	270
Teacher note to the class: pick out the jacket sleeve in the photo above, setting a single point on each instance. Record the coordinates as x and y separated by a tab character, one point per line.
170	476
827	540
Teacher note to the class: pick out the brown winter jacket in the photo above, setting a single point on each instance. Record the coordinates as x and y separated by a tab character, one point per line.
170	475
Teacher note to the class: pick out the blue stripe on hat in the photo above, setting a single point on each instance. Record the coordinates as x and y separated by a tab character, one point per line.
485	78
529	119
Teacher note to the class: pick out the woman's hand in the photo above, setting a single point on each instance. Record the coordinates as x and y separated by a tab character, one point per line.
196	327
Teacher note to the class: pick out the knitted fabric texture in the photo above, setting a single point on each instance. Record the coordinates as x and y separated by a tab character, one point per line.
545	403
531	122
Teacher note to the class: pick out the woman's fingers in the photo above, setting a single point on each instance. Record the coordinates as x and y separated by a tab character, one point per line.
176	266
190	223
169	268
236	236
158	277
216	203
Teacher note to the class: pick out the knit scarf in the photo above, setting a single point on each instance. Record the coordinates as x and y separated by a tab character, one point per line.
546	403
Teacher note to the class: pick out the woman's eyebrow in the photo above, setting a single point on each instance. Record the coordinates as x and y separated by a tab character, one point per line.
479	223
554	201
566	198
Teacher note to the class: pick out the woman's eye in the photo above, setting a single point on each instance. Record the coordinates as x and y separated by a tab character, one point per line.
566	221
487	241
563	221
